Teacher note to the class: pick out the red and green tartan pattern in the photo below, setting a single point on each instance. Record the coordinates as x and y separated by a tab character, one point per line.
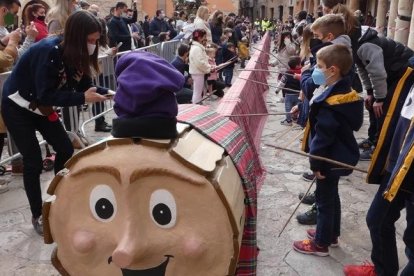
227	134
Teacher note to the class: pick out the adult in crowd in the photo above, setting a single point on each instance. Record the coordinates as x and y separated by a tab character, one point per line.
9	8
201	22
216	26
180	63
94	9
158	25
302	22
58	14
171	27
84	5
36	13
328	5
118	30
359	17
7	58
181	20
369	20
110	15
104	66
54	72
146	29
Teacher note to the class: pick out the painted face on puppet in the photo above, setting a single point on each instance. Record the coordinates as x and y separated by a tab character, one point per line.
139	212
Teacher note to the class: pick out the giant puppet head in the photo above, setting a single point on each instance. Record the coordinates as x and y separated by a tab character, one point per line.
142	205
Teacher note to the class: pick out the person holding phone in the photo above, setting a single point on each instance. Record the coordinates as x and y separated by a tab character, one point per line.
56	71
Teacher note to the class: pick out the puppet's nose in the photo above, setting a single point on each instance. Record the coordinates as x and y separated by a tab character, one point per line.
128	250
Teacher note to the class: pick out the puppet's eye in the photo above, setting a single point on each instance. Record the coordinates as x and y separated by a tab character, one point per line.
102	203
163	209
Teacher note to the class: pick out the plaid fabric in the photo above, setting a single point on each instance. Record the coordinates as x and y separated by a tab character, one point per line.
246	97
227	134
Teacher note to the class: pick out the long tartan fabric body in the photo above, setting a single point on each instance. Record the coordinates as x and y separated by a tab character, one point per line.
227	134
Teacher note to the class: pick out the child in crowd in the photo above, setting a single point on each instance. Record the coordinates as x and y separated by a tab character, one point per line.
244	51
219	55
213	83
199	65
290	81
229	53
334	116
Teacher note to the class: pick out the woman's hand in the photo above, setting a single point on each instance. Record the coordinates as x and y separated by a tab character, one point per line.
92	97
114	50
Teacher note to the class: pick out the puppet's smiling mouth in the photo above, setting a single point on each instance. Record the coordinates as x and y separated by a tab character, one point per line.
154	271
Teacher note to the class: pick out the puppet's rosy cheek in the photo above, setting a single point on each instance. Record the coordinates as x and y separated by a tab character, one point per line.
193	246
83	241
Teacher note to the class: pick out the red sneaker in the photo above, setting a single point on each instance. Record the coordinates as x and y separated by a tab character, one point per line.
312	233
366	269
311	248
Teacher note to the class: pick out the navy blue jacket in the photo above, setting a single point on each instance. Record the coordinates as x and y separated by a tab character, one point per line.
118	31
334	116
40	76
156	27
182	67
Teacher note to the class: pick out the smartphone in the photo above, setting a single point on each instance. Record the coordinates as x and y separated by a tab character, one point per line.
110	94
119	45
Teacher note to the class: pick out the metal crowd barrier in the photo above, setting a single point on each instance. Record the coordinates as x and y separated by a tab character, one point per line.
76	118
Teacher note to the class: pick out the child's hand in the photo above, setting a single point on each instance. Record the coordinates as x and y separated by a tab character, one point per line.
318	175
295	111
306	67
297	76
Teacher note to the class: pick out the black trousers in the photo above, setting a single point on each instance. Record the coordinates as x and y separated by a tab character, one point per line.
22	125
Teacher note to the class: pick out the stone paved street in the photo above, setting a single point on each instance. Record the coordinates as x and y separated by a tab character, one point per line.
22	251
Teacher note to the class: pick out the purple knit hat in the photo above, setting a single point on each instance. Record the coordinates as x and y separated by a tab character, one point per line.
146	86
145	99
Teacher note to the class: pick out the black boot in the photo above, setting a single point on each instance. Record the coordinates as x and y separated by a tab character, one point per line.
309	217
309	199
103	127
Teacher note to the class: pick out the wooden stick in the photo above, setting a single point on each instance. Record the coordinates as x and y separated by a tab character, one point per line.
270	71
274	86
320	158
259	114
297	207
206	97
270	54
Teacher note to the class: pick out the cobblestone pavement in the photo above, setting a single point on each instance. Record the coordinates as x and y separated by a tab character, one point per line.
22	251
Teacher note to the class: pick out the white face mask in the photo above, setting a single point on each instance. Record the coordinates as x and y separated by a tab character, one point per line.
287	41
91	48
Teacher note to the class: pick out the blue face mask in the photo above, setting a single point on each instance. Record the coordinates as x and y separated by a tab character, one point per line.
318	77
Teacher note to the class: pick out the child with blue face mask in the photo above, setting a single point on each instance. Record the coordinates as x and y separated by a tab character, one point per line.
334	116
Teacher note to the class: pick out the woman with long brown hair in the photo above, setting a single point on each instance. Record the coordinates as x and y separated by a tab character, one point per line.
56	71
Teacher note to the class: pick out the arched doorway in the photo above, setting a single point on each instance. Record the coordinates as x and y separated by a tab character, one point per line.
30	3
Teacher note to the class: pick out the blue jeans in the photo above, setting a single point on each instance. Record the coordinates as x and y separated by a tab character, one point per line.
22	125
328	221
304	113
290	101
381	219
228	75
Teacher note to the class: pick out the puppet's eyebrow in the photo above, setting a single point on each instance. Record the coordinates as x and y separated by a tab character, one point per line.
99	169
144	172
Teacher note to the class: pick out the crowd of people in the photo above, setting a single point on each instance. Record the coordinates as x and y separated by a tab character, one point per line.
323	64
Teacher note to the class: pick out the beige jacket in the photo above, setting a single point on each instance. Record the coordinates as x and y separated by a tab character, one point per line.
198	59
